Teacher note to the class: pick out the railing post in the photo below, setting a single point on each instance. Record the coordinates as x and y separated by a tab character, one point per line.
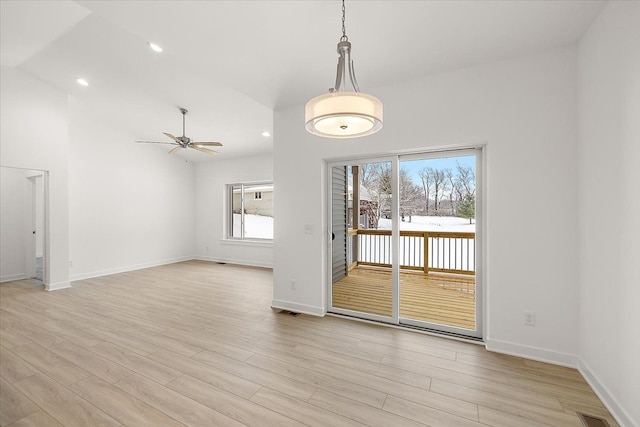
426	253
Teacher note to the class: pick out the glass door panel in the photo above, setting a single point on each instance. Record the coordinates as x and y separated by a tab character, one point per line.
437	280
361	248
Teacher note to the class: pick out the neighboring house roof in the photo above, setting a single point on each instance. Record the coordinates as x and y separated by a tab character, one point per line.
264	189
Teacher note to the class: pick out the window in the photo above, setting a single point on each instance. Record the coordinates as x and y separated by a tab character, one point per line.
250	211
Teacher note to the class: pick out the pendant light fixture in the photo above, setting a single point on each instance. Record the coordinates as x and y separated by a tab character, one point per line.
344	113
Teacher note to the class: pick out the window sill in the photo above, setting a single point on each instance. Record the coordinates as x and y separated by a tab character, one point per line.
247	242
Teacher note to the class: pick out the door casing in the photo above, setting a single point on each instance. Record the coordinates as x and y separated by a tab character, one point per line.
394	319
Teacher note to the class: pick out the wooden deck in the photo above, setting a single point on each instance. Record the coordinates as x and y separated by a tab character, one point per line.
447	299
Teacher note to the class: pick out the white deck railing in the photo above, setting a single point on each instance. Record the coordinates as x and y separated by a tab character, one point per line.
450	252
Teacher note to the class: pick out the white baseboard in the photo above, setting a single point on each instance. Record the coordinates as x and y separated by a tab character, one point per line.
249	263
91	275
57	286
622	417
298	308
533	353
12	277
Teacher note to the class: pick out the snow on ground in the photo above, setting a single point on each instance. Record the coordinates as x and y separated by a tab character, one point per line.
431	223
444	252
261	227
255	226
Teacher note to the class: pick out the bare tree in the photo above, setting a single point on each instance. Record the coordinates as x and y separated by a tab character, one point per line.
433	187
452	182
466	180
425	175
410	195
378	179
381	190
439	187
368	172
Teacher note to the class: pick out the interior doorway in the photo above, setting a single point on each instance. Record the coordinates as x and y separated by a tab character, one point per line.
406	236
35	253
23	224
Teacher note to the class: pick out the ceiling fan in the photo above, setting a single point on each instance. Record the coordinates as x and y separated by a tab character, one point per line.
184	141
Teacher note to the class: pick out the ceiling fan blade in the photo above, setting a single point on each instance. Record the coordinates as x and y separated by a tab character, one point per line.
178	148
204	150
171	136
210	144
156	142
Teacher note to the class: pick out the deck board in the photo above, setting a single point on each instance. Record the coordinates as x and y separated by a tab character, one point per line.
447	299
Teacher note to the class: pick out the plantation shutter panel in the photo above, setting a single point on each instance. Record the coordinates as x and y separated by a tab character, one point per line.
339	194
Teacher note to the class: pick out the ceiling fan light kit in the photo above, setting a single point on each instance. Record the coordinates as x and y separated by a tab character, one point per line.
342	113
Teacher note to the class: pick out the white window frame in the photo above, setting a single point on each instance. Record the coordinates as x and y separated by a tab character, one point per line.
229	211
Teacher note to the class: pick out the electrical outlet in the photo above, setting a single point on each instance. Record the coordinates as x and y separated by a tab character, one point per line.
70	263
293	285
530	318
206	248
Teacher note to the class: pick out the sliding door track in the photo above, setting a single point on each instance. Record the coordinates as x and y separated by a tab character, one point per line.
420	329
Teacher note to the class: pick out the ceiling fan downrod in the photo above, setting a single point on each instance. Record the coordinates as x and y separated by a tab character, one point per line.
184	112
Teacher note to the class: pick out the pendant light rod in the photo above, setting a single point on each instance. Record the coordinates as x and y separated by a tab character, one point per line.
344	50
344	37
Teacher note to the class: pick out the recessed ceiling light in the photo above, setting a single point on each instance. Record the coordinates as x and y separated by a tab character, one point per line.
154	47
266	133
82	82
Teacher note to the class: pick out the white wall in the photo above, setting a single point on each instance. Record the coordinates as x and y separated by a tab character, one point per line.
609	185
13	188
524	109
130	205
211	179
34	135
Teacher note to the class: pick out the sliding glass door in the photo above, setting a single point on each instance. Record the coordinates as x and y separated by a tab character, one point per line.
405	240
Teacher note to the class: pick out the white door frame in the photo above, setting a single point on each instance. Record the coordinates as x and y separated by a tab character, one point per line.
31	216
395	159
29	227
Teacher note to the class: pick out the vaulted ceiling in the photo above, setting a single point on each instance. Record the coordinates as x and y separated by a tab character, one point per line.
231	63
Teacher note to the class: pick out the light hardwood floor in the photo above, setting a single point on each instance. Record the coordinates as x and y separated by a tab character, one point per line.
196	344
